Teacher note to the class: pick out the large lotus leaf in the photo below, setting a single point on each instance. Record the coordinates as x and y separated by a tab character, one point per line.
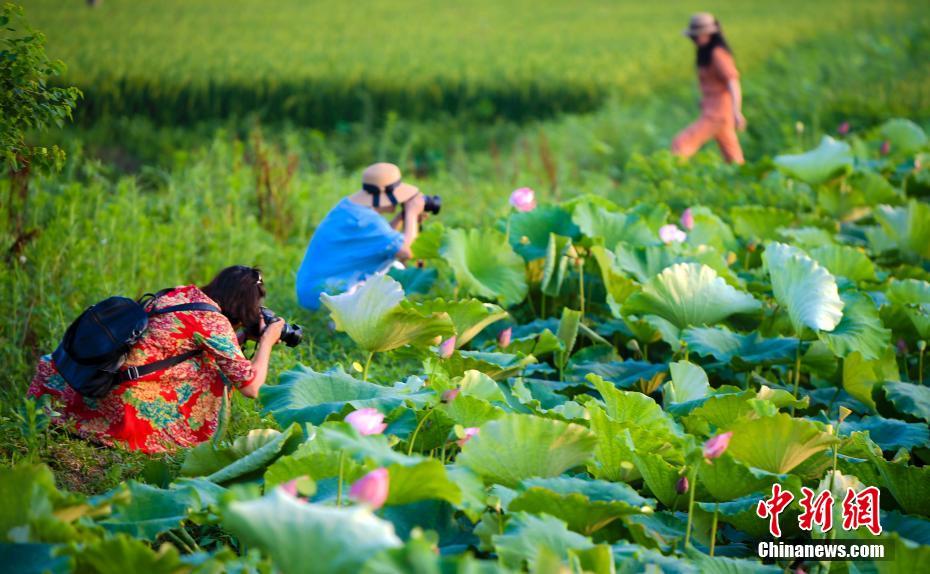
469	316
567	334
845	261
907	227
720	410
377	317
414	280
618	442
304	395
498	366
759	222
530	230
586	506
484	265
471	411
710	230
515	447
526	535
631	407
246	455
861	192
341	437
623	374
908	292
740	512
726	478
652	329
689	294
909	485
613	226
297	534
890	434
661	477
689	382
425	480
860	375
122	554
314	459
429	241
636	559
904	135
31	558
725	565
151	511
555	267
643	263
915	529
618	287
860	330
660	530
743	351
830	159
803	287
807	237
28	497
909	399
778	443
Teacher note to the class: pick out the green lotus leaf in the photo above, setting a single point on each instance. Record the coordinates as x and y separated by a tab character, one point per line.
631	407
556	265
861	192
661	477
414	280
247	455
515	447
689	382
720	410
618	287
377	317
296	534
909	399
314	459
807	237
121	554
151	511
652	329
904	135
30	499
759	222
623	374
830	159
803	287
907	228
742	351
426	480
586	506
660	530
909	485
915	529
304	395
471	411
567	334
32	558
889	434
341	437
526	535
908	292
860	375
530	230
429	241
845	261
613	226
728	479
642	262
484	265
860	330
636	559
710	230
689	294
469	316
740	512
618	443
498	366
778	443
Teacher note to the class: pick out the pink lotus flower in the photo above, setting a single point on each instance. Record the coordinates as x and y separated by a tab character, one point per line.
447	347
290	487
671	234
886	147
687	219
523	199
503	338
717	445
371	489
449	396
681	487
367	421
843	128
468	433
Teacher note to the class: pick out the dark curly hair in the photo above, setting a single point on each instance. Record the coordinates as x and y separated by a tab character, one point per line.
239	291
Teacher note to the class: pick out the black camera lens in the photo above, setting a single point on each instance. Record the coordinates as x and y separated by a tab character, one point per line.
433	203
291	334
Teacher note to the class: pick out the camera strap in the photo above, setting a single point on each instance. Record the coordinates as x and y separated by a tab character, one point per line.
375	192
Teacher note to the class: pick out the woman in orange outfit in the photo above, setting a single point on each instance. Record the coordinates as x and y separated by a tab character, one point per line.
721	96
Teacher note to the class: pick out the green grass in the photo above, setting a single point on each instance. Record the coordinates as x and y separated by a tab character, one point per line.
325	64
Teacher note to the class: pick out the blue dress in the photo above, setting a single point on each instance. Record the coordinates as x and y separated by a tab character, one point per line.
350	244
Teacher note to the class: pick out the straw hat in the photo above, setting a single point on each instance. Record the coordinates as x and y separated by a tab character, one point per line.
382	185
701	23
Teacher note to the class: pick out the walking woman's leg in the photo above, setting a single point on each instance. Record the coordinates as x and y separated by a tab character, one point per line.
690	139
728	142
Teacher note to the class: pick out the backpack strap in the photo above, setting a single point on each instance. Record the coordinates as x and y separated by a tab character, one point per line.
185	307
133	373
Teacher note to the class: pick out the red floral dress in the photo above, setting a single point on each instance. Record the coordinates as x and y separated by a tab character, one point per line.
177	407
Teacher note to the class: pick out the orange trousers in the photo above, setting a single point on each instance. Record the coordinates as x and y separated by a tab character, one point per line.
690	139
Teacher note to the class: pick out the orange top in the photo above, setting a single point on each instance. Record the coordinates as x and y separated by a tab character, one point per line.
716	101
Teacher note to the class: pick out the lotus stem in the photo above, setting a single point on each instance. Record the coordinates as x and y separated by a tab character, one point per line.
920	363
177	540
416	431
367	364
185	535
693	487
581	288
797	375
713	529
342	460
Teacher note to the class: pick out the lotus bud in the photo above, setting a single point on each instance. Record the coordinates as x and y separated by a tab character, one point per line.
799	127
921	345
447	347
367	421
371	489
687	219
671	234
681	487
886	147
449	396
844	412
503	338
523	199
843	128
466	435
717	445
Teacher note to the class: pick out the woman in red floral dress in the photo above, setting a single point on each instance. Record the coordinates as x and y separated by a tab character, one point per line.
179	406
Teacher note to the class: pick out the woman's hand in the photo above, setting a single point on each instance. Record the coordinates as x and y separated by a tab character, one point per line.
739	120
272	332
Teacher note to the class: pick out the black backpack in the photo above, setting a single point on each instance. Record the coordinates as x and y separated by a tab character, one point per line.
91	354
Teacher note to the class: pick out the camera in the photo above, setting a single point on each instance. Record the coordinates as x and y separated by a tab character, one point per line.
291	335
433	203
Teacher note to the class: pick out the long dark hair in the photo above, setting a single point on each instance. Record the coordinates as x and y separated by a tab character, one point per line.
716	39
239	291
